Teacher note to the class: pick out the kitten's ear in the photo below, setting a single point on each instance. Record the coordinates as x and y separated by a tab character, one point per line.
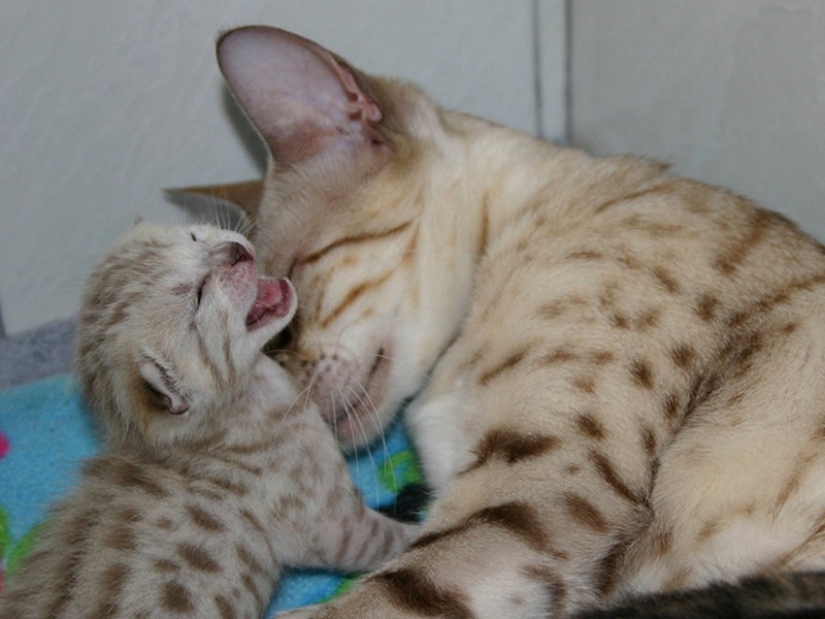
162	385
245	196
303	100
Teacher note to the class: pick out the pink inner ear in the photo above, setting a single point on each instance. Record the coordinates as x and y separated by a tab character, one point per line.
294	91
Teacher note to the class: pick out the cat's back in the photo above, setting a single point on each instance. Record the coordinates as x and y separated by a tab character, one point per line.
634	288
624	239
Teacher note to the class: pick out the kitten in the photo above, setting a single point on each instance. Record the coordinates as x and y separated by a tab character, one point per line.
217	471
618	374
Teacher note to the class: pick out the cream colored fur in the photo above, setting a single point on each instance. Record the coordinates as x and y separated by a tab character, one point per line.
617	373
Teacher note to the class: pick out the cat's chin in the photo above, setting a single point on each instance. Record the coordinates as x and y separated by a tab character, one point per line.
361	419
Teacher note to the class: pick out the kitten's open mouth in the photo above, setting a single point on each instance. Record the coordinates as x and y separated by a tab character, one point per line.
273	300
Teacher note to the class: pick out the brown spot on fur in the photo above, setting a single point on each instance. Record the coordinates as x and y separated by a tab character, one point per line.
586	384
131	475
662	187
729	260
661	541
789	328
560	355
602	357
165	523
515	517
518	518
646	320
589	426
671	406
484	231
585	513
708	530
235	488
794	482
558	307
608	473
553	584
736	319
620	321
249	584
224	607
706	307
354	240
585	254
255	525
629	261
510	362
666	279
203	519
114	579
122	538
249	560
641	373
683	356
197	558
511	447
351	297
176	598
610	568
649	441
412	590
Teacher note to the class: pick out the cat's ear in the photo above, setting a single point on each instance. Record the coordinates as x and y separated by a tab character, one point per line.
162	385
245	196
303	100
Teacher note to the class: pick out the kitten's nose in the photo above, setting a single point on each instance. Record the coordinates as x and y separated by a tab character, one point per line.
233	253
239	253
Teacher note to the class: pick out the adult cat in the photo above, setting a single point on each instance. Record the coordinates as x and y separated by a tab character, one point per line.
618	372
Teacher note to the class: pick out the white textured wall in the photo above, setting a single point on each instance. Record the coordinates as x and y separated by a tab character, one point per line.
730	92
104	103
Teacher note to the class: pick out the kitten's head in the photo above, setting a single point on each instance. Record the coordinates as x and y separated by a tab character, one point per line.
171	322
358	208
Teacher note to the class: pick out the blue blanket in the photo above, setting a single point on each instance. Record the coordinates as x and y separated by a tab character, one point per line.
45	432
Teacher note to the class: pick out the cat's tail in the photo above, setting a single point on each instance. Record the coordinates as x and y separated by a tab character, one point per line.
796	595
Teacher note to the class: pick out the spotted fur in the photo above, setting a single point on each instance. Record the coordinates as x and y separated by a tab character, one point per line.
617	373
217	472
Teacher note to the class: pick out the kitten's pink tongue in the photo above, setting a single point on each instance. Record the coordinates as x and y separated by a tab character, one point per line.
274	299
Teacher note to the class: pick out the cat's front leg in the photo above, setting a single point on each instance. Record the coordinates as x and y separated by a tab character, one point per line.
491	578
499	559
442	445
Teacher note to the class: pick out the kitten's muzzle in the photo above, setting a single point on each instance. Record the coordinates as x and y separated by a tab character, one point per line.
232	253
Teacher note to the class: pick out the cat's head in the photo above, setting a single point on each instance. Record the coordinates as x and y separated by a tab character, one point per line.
360	207
171	322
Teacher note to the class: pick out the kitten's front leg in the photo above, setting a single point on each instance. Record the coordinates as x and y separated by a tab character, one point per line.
340	530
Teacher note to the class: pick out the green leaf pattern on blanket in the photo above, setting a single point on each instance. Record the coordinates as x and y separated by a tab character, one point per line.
400	470
11	552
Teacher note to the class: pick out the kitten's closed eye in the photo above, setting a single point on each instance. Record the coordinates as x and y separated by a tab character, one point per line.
199	294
